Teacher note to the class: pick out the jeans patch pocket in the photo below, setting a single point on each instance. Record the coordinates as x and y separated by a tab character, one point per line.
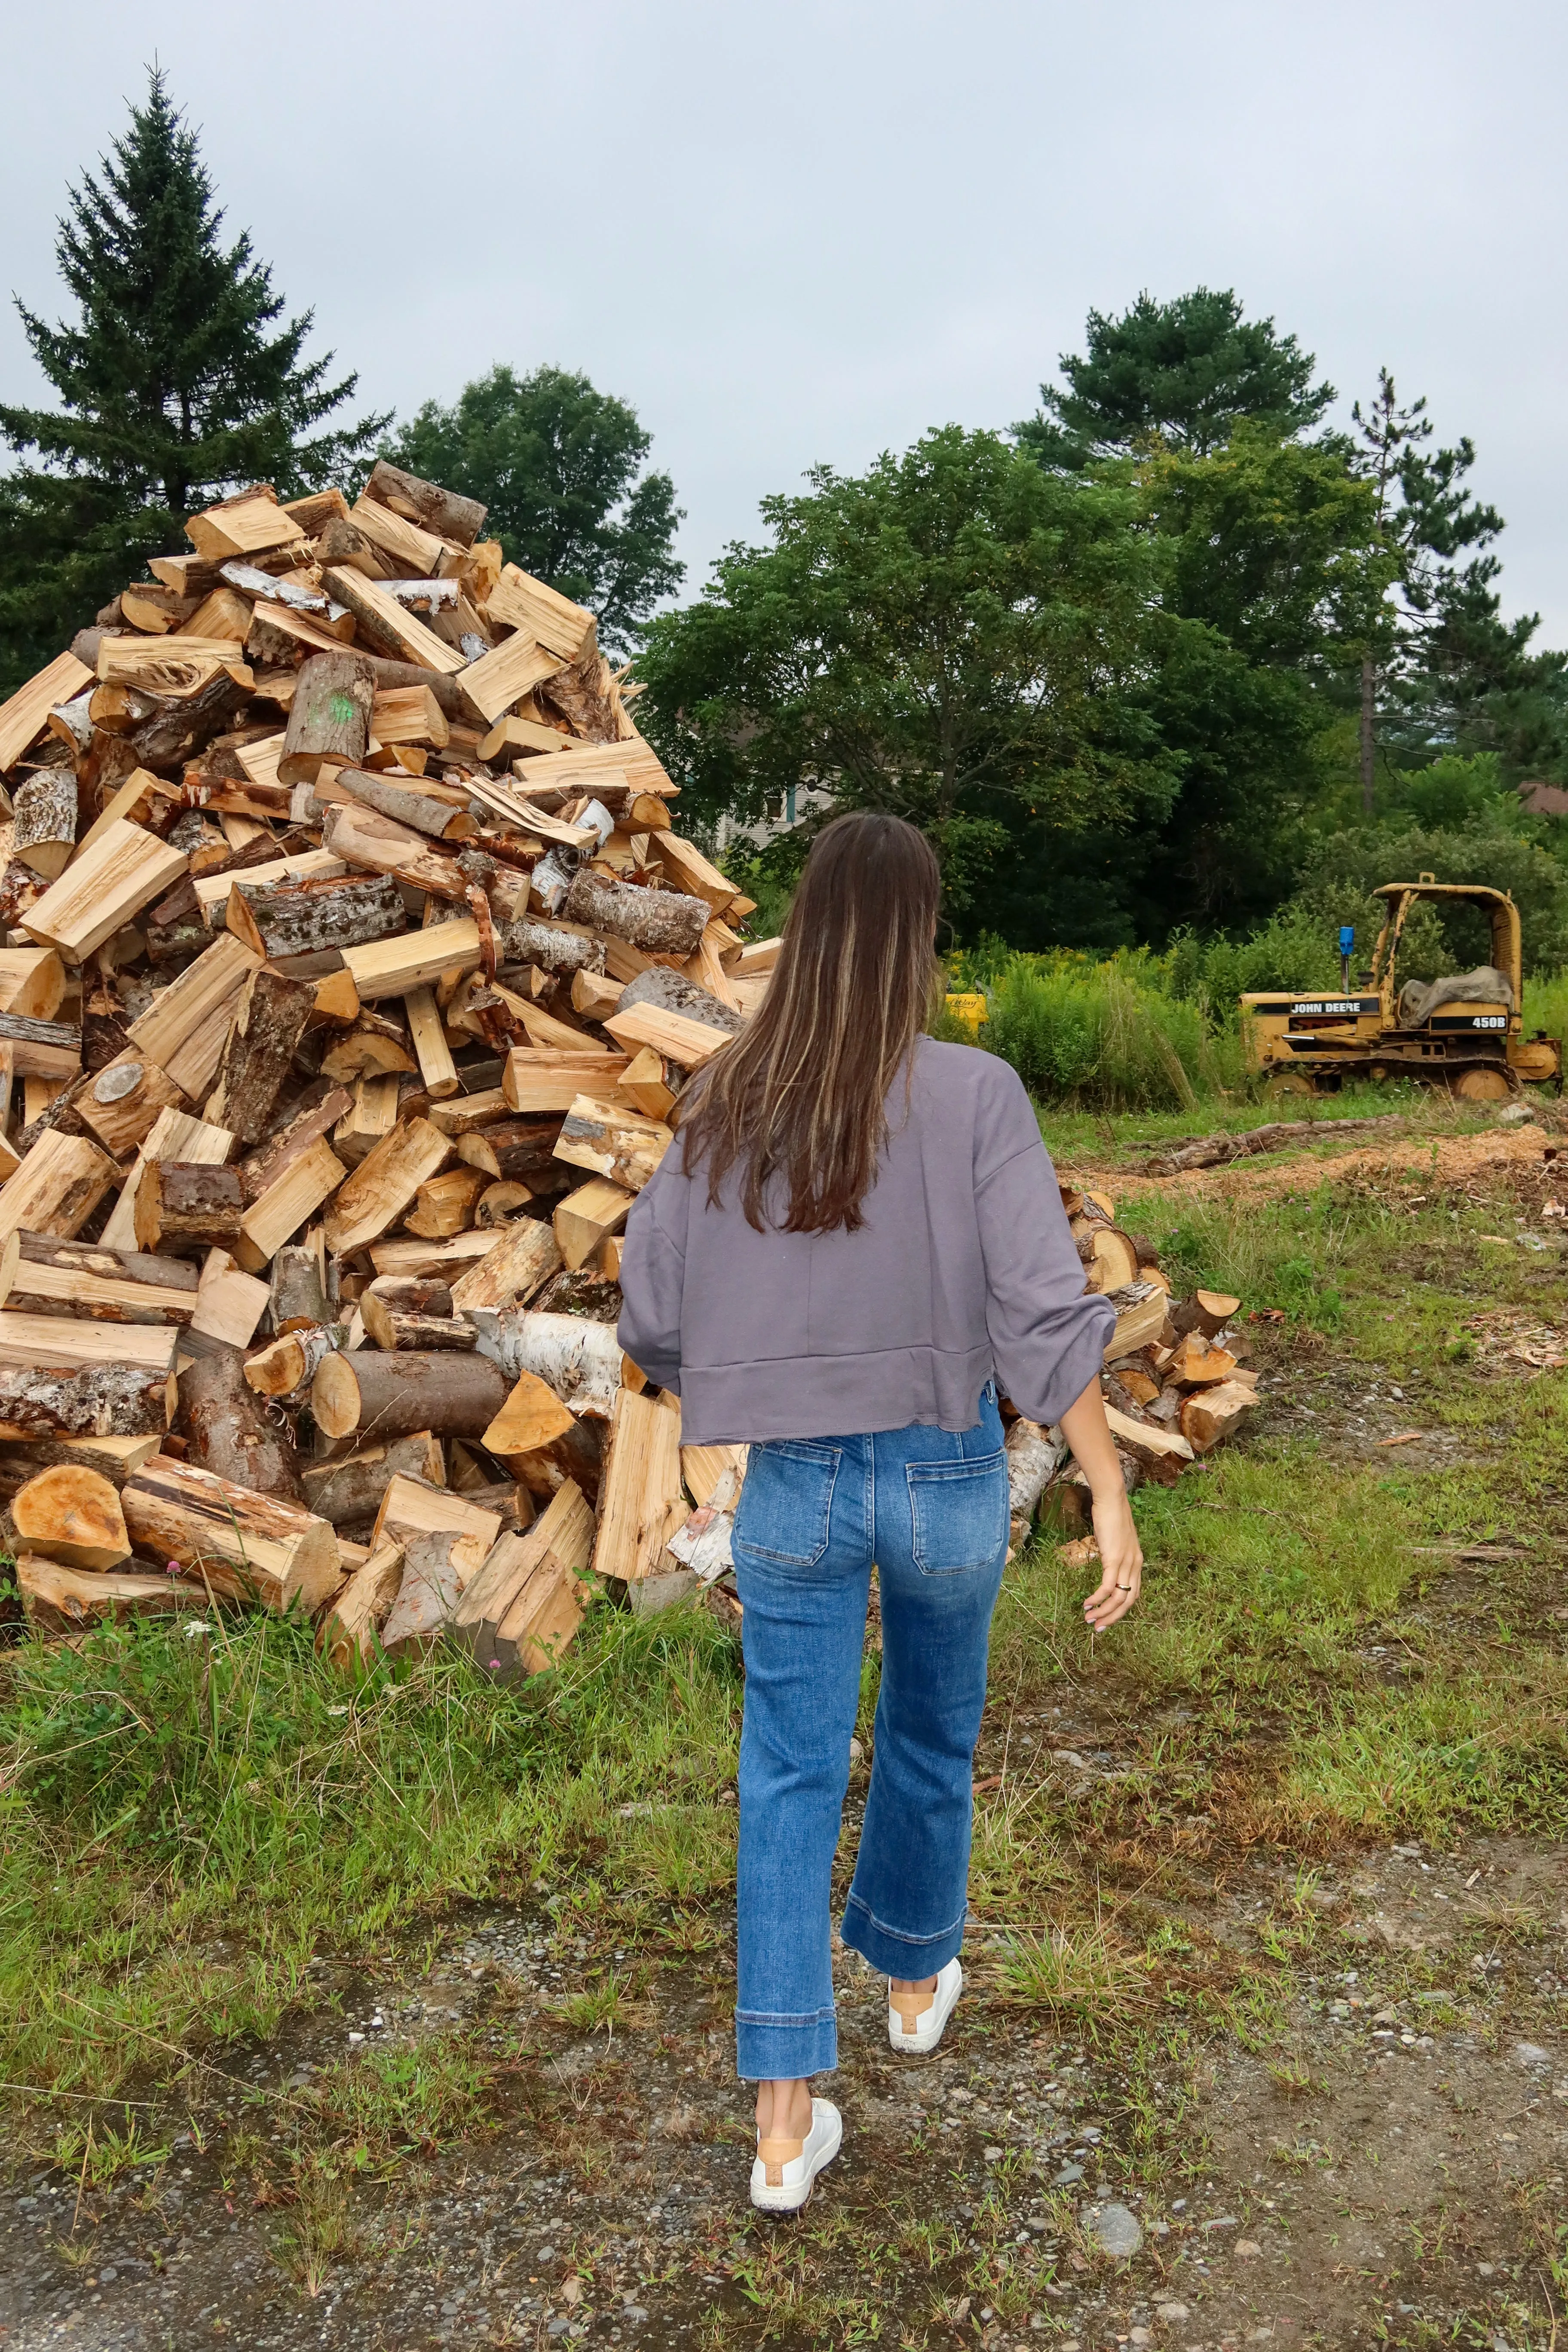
960	1512
786	1500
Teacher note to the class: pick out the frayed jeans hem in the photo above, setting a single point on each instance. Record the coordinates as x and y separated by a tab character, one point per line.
893	1954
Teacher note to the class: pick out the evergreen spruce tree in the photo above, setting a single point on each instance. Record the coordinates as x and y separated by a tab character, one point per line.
180	381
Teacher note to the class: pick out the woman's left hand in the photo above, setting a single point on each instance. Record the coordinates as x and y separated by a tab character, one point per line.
1122	1557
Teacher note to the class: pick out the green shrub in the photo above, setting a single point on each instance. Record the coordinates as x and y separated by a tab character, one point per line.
1101	1036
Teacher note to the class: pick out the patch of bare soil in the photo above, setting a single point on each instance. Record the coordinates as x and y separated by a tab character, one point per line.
1448	1160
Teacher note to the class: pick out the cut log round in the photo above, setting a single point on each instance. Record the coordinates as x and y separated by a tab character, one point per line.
377	1396
532	1416
231	1433
662	922
284	1368
1207	1311
558	948
72	1516
1196	1364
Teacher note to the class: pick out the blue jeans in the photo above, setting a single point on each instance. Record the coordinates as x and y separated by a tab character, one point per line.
930	1508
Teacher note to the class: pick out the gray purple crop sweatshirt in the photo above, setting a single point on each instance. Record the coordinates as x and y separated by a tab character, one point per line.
965	1270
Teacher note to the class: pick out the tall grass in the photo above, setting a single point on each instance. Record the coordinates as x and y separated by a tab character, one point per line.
1106	1036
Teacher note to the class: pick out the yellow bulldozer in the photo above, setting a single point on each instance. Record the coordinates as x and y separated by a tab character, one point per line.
1465	1031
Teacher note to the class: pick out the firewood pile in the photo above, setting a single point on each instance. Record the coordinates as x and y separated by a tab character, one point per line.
1175	1381
352	965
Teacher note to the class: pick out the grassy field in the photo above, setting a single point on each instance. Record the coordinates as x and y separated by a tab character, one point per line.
203	1830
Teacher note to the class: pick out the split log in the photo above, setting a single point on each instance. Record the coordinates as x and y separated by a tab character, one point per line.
437	1067
526	1602
126	869
113	1458
122	1103
175	1136
593	996
1207	1311
184	1028
409	715
291	1197
643	1083
42	1275
1139	1320
514	1150
57	1188
532	1417
298	1295
580	1360
392	967
662	922
445	1204
499	1202
549	1078
685	868
445	513
640	1501
314	916
328	718
509	1272
268	1024
68	1600
379	1395
350	1491
1196	1364
372	1048
587	1217
44	830
427	1592
382	621
664	991
230	1303
1160	1451
283	1369
361	837
73	1516
451	1259
105	1400
369	1120
382	1187
246	1545
188	1205
405	804
620	1144
272	1159
229	1432
350	1630
558	948
391	1327
1212	1413
673	1035
410	1509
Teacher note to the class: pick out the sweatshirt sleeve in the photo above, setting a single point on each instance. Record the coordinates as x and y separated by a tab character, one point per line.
653	1276
1047	1336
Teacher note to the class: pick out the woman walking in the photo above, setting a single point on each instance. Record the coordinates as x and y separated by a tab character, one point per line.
854	1242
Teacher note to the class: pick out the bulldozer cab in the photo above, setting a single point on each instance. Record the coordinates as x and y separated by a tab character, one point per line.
1507	951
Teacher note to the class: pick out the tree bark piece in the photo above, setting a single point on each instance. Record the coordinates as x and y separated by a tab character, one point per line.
328	718
587	1217
108	1400
1210	1414
640	1501
525	1604
71	1515
350	1491
185	1204
248	1545
619	1144
350	1630
376	1396
662	922
59	1600
44	832
558	948
125	870
57	1187
1034	1457
230	1433
313	915
580	1360
40	1276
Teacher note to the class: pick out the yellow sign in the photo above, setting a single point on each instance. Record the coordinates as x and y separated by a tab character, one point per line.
970	1010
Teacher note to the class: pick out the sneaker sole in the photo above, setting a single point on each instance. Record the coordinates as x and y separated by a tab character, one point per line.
790	2200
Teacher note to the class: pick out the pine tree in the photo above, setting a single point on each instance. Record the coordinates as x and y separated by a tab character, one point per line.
178	384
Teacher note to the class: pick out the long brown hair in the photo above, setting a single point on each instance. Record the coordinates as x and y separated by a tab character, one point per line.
800	1096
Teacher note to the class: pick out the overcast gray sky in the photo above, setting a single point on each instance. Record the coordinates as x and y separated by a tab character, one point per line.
788	233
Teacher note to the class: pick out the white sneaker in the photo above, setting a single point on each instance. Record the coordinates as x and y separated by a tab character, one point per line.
919	2029
784	2169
